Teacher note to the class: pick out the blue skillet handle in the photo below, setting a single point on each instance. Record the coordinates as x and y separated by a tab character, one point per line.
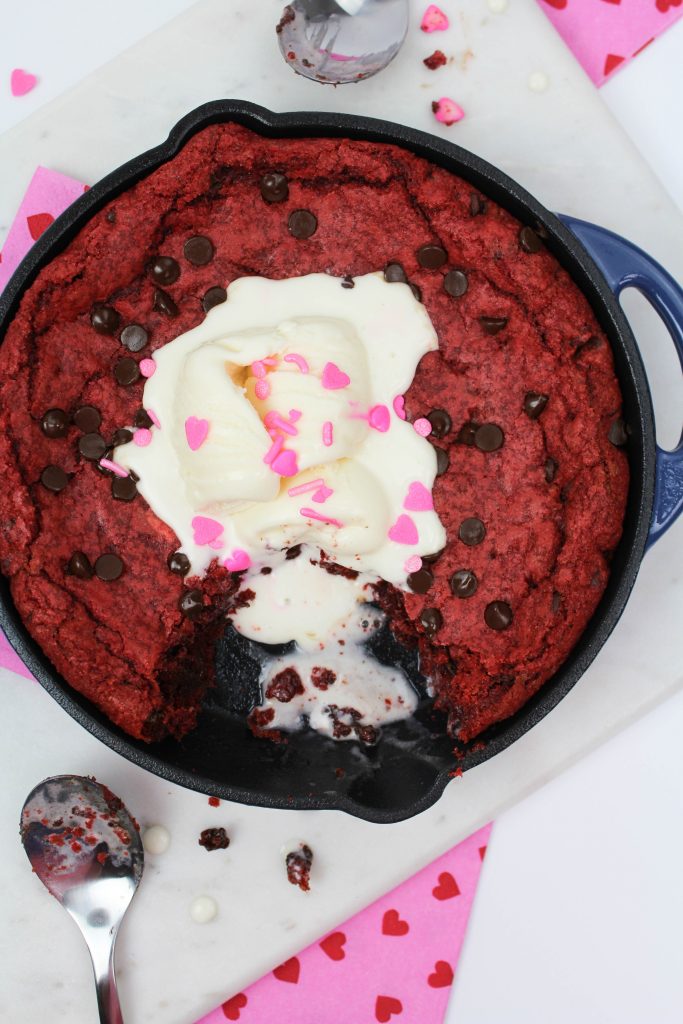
624	265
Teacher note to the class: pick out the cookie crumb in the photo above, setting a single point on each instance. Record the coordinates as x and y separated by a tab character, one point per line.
214	839
435	60
299	867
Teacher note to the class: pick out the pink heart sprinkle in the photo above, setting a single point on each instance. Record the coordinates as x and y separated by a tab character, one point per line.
399	405
419	498
206	530
147	367
142	437
22	82
196	432
447	111
422	426
237	561
285	463
412	564
333	378
434	20
379	418
404	531
322	494
261	389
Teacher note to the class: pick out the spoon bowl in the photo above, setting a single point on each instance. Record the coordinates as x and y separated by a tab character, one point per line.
335	42
86	849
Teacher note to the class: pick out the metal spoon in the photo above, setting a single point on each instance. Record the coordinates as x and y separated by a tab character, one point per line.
86	849
340	41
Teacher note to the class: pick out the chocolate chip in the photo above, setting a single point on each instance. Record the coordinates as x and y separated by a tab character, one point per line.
395	274
92	446
123	488
618	434
274	187
142	420
529	240
54	478
104	319
420	581
348	282
550	470
54	423
464	583
214	839
110	216
489	437
87	418
126	371
214	297
178	563
285	686
472	531
498	615
477	204
440	421
79	566
121	436
493	324
455	282
298	864
302	223
293	552
164	270
108	567
434	557
416	290
198	251
134	337
163	303
431	256
443	460
556	601
191	604
431	620
534	404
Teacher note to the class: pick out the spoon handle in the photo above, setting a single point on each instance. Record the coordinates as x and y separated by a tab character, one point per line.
105	983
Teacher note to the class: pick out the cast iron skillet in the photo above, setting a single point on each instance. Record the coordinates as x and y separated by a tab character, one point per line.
410	766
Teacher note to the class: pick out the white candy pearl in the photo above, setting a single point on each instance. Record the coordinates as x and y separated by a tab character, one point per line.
156	839
538	81
203	909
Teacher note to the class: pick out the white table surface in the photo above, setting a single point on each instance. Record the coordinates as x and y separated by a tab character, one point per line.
578	913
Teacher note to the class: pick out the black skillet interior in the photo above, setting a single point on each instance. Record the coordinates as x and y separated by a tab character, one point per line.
408	769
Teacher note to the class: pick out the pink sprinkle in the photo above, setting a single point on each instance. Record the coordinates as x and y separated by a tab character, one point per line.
206	530
294	357
142	437
147	367
270	361
154	418
274	421
258	369
312	485
447	111
422	427
399	404
379	418
413	563
294	415
285	463
419	498
434	20
114	467
322	494
22	82
328	434
403	531
274	450
334	379
238	561
310	513
196	432
262	389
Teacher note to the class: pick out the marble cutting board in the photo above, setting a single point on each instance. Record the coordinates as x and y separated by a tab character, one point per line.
563	145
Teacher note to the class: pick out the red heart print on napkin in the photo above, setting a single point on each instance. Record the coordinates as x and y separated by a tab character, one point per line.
288	971
37	223
447	887
333	945
393	925
386	1007
232	1008
442	975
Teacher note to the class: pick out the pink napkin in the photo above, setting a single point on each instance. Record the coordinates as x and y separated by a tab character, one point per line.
396	959
604	35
